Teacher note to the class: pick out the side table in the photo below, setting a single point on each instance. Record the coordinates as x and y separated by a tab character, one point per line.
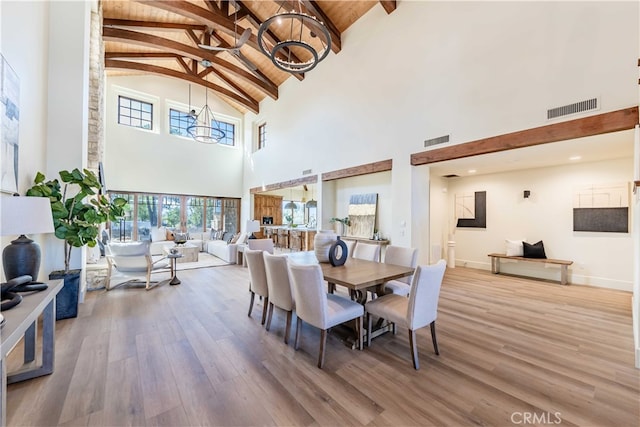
240	255
173	259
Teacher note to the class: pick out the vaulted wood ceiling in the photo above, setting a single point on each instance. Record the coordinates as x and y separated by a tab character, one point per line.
162	37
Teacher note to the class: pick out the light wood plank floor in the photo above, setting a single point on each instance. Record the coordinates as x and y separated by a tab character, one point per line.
511	350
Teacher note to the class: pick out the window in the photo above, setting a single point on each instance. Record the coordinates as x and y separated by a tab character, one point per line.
229	130
132	112
179	121
262	136
147	215
195	214
171	212
122	228
214	214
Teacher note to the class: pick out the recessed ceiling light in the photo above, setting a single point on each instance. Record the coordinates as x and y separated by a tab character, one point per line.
471	171
575	157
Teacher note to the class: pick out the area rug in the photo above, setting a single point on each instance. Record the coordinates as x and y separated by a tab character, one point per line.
205	260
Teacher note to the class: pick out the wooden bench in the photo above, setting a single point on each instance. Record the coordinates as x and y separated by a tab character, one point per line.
495	264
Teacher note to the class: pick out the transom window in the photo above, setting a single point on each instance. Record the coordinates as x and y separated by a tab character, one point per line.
179	121
262	136
135	113
229	130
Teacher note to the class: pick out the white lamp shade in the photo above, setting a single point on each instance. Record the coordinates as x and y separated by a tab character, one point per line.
25	215
253	225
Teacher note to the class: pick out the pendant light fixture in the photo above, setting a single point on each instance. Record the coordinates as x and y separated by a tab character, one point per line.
291	204
205	128
311	203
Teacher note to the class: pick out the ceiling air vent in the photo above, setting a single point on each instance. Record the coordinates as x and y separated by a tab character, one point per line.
436	141
452	175
578	107
306	172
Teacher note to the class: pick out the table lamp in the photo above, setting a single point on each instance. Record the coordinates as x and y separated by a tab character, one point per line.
253	225
19	216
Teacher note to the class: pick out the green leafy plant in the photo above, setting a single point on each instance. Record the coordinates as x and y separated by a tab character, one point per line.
78	210
344	220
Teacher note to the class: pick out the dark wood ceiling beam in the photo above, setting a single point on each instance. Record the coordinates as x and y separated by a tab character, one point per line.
127	23
381	166
140	55
200	14
212	5
148	40
184	65
593	125
285	184
196	40
388	5
251	104
230	82
336	38
270	36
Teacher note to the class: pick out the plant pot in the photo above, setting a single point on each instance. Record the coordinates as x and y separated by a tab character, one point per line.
67	298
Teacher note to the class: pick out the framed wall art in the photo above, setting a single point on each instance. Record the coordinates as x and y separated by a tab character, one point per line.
9	126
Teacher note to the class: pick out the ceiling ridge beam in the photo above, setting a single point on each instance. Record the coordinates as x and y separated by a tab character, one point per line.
251	104
336	38
152	41
388	5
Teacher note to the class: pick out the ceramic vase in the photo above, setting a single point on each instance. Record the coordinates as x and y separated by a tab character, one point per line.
322	243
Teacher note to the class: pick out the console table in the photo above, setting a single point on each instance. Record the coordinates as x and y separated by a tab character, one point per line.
20	322
382	243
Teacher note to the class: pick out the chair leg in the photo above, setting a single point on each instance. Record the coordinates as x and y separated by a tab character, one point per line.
264	310
360	332
369	321
323	344
148	284
253	296
298	328
269	316
287	328
414	349
433	338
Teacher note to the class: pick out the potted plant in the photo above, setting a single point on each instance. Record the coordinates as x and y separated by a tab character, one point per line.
344	221
78	212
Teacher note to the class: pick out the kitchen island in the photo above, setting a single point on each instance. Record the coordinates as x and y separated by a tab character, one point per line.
291	238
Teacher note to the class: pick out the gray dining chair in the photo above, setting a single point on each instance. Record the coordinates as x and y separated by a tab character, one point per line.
257	280
319	309
366	251
261	244
415	312
407	257
279	286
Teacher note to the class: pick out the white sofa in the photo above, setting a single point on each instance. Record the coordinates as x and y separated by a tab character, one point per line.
226	251
159	240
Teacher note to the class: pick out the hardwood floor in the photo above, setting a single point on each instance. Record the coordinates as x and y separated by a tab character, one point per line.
512	350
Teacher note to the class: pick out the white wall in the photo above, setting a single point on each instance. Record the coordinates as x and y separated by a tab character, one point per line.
600	259
155	161
467	69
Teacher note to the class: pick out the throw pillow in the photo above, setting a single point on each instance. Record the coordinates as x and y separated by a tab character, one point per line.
235	237
169	235
158	234
514	247
535	250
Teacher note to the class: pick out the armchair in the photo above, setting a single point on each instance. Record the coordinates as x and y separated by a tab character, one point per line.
131	260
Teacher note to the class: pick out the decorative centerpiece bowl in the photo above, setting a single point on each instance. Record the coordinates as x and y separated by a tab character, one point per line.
173	251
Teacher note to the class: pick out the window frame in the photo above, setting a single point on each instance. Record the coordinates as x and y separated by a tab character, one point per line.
131	99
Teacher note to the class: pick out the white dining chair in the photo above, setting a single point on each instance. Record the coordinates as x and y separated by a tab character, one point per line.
407	257
261	244
279	286
367	251
257	279
319	309
415	312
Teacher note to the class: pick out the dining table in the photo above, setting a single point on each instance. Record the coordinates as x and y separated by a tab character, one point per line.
358	276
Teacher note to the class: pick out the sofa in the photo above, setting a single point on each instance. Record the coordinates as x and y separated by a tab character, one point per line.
224	249
161	237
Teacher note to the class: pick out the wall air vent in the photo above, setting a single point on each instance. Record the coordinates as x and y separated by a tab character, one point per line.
436	141
578	107
306	172
452	175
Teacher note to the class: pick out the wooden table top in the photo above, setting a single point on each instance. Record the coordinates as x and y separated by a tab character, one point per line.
355	274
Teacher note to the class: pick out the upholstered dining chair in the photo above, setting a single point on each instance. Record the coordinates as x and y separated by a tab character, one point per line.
261	244
319	309
131	260
415	312
407	257
257	279
366	251
279	286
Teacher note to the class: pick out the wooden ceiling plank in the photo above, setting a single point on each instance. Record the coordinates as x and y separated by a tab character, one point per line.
121	35
388	5
200	14
381	166
593	125
230	82
196	40
128	23
336	38
212	5
184	65
250	104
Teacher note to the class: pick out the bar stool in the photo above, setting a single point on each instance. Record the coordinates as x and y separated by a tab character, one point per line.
283	238
295	240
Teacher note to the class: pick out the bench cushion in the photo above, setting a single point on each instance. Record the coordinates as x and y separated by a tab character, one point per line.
535	250
514	247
